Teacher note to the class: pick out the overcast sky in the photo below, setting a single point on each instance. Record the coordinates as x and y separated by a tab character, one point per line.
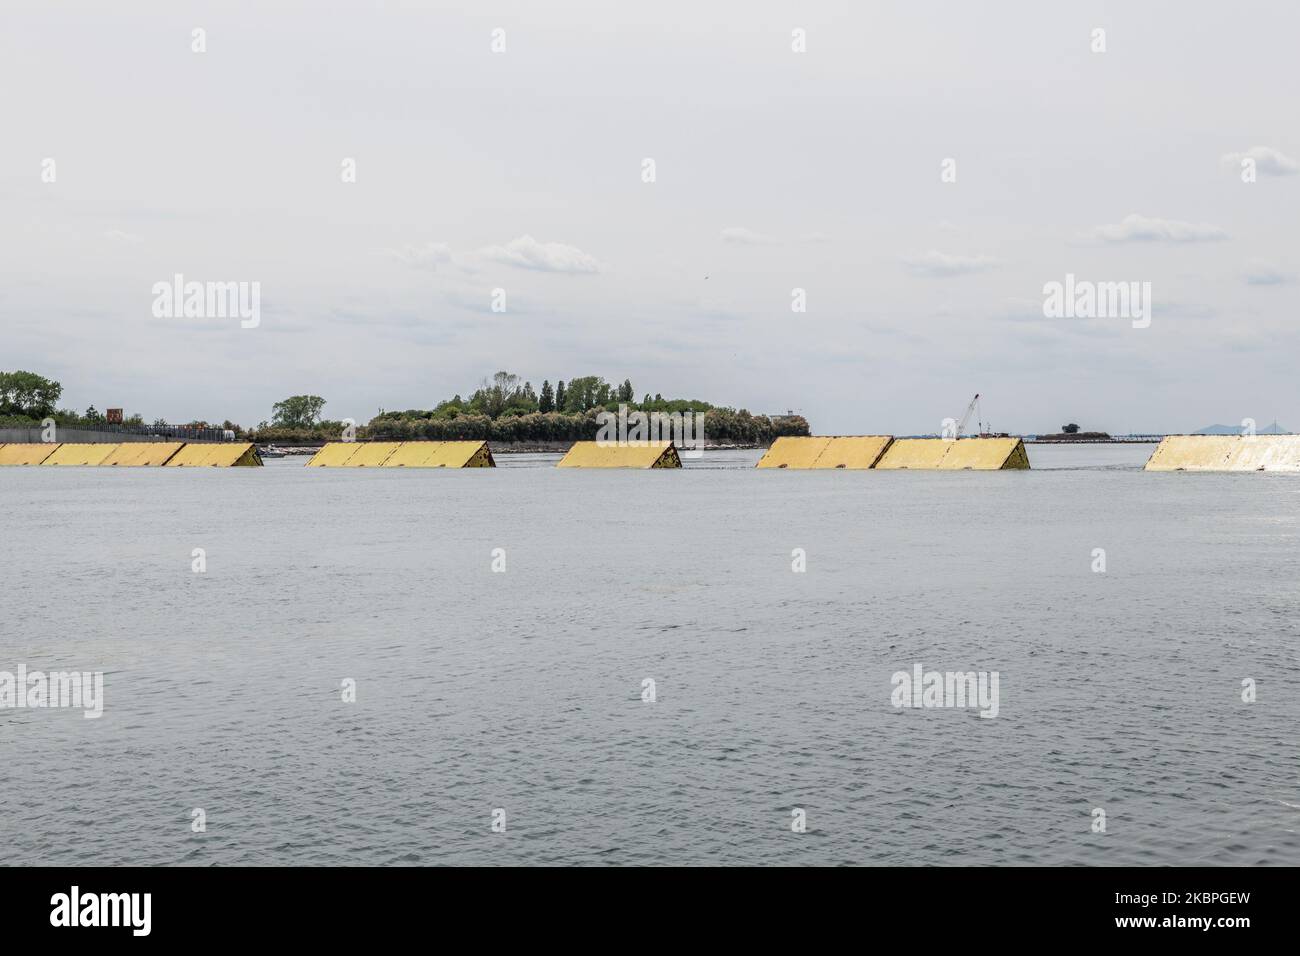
775	170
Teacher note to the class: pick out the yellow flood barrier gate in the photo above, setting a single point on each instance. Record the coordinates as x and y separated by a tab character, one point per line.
129	454
943	454
140	454
405	454
352	454
441	454
78	454
594	454
860	452
26	454
852	452
226	455
1226	453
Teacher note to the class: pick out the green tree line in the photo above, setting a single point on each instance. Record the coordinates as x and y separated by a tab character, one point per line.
725	425
503	409
508	409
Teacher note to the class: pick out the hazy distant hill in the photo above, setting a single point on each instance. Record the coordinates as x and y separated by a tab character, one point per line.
1273	429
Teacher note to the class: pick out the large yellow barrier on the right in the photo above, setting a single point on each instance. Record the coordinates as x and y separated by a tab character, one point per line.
961	454
1226	453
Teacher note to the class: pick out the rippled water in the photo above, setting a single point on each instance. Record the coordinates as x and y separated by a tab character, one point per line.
522	690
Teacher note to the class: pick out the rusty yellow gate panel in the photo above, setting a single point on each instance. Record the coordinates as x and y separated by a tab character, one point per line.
19	453
441	454
142	454
225	455
1018	460
793	451
591	454
985	454
943	454
480	457
71	453
333	454
1226	453
669	458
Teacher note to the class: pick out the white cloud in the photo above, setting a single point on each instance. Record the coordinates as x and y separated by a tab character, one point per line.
741	236
117	235
428	256
1268	161
527	253
1264	273
1135	228
936	264
1022	310
815	237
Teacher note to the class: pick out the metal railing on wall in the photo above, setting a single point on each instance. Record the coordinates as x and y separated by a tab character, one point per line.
181	432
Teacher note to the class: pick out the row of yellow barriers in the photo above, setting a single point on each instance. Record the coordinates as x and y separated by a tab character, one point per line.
862	451
477	454
1269	453
170	454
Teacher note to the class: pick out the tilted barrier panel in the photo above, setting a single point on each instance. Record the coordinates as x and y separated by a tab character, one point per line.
441	454
854	452
1226	453
224	455
78	454
138	454
333	454
943	454
372	454
26	454
590	454
914	453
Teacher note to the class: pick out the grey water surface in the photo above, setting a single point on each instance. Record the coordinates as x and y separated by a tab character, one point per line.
521	690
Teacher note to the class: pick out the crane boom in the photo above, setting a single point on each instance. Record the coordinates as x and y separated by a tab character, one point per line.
961	426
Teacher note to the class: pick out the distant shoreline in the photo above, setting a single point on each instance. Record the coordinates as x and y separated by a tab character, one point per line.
560	447
508	448
1136	440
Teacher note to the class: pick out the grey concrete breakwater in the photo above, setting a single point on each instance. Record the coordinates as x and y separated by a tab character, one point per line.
23	436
